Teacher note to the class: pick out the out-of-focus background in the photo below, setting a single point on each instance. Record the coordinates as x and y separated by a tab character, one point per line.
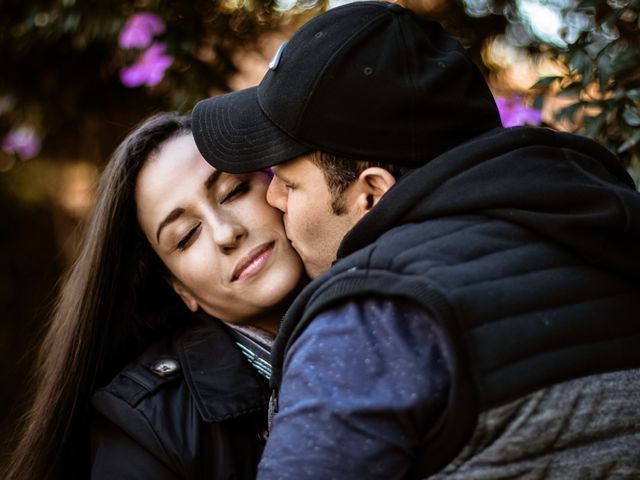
76	75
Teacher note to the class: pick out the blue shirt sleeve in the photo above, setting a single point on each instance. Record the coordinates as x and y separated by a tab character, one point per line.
361	387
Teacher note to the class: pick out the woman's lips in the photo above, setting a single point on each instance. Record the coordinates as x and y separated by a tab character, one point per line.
253	262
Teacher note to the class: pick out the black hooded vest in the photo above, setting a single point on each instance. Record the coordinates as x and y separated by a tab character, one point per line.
507	243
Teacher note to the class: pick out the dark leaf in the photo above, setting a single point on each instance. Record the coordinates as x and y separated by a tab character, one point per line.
634	5
593	124
610	20
582	63
634	94
627	58
571	91
546	81
631	142
631	115
568	112
538	102
589	3
604	71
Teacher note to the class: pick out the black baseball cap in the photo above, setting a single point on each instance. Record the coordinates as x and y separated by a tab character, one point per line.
367	81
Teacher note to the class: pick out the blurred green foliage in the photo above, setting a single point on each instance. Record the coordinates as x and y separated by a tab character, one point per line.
60	60
599	52
603	76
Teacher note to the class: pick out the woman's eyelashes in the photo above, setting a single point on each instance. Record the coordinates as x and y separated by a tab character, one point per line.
240	188
188	238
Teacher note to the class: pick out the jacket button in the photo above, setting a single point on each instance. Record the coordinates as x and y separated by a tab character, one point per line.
165	367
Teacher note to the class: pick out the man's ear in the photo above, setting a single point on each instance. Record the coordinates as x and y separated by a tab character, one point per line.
372	184
188	299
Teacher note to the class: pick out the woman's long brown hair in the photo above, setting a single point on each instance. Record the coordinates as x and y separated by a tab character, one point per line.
113	302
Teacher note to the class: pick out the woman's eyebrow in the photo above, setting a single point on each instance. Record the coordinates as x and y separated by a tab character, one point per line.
177	212
211	179
174	215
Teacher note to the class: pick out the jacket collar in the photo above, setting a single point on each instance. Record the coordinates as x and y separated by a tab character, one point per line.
221	381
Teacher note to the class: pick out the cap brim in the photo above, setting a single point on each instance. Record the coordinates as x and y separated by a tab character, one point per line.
234	135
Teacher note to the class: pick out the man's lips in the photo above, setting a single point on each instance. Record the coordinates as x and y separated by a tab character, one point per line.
253	262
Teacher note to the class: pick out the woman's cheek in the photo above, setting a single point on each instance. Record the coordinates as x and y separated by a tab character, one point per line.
188	268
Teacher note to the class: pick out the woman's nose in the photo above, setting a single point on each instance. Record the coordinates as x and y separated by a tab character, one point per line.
227	234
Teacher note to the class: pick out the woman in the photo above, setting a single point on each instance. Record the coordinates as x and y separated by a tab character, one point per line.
190	406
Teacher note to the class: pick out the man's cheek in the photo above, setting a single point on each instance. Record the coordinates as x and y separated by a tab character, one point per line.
289	232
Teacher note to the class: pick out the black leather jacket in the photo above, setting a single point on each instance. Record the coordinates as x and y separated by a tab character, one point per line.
189	407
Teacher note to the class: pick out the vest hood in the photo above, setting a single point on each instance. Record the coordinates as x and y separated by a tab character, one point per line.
561	186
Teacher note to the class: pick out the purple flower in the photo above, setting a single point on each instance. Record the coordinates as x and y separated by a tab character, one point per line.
513	112
149	69
140	29
22	141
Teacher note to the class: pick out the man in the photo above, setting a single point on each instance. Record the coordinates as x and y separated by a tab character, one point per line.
474	308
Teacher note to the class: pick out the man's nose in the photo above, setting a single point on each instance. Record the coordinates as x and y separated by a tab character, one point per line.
277	195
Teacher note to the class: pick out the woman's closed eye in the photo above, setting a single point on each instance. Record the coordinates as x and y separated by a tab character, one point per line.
189	238
239	189
186	241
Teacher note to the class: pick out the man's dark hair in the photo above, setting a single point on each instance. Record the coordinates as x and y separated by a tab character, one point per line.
340	173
